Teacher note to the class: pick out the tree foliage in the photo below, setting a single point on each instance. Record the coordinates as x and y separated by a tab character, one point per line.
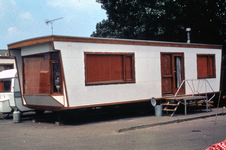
164	20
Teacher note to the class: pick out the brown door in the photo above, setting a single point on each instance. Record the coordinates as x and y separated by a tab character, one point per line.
172	69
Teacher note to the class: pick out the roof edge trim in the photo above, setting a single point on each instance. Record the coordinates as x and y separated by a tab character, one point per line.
40	40
29	42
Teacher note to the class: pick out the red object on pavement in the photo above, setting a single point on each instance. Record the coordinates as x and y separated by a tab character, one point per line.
218	146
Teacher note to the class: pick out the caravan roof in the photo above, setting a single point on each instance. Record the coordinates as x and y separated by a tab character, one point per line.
54	38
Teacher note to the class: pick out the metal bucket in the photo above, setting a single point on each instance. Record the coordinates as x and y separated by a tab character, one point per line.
158	110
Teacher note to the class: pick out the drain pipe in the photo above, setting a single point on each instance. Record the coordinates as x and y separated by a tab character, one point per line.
188	35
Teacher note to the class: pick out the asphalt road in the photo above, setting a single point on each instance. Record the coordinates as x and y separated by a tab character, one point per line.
97	132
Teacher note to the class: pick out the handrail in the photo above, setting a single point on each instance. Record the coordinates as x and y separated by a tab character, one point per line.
196	90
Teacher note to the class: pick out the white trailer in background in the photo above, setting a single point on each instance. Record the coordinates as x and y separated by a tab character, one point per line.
7	62
10	97
61	73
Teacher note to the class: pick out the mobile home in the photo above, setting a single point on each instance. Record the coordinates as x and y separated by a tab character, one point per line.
60	72
6	62
10	98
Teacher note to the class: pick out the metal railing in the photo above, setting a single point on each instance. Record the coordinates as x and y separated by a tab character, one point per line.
197	87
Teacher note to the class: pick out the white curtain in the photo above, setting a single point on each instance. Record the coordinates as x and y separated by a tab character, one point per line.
178	71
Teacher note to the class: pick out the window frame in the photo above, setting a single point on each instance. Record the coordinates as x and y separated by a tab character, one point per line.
124	80
51	62
208	66
10	85
7	65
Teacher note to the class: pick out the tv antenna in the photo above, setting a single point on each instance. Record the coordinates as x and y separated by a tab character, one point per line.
51	21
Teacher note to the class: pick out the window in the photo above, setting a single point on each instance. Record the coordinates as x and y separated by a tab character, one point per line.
5	67
55	65
42	74
108	68
206	66
5	85
36	74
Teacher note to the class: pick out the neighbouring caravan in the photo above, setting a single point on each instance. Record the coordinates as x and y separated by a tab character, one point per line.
7	62
60	73
7	91
10	98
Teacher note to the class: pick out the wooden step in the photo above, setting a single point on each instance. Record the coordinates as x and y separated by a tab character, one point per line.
167	104
170	107
202	103
168	110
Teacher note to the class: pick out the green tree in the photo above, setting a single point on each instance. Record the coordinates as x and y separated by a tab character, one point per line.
164	20
106	29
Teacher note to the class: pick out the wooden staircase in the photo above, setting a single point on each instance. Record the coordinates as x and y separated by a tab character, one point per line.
170	106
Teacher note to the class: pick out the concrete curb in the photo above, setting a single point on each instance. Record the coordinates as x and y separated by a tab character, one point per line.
177	120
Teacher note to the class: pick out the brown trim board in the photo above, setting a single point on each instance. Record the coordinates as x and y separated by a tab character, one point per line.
39	40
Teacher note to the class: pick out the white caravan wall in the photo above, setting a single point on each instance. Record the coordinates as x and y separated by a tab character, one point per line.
17	55
79	94
147	72
36	49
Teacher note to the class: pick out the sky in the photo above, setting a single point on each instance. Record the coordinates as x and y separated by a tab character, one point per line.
25	19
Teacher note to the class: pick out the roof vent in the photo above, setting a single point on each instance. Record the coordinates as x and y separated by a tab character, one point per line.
188	35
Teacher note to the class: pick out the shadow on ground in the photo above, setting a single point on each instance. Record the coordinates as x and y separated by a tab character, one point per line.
87	116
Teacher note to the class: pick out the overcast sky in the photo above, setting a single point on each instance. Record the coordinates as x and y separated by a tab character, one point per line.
24	19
